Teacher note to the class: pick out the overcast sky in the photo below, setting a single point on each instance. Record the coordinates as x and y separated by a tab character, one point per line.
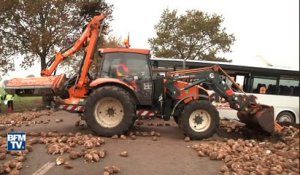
265	30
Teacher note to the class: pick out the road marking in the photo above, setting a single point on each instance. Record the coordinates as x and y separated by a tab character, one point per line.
44	168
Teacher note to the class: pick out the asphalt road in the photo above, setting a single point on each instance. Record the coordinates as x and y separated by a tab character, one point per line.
170	154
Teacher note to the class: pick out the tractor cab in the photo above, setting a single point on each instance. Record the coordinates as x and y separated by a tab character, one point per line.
132	67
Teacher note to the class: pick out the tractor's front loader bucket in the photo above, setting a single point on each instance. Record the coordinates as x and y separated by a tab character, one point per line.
262	116
35	86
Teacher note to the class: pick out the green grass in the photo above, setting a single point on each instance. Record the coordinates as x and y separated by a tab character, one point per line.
22	103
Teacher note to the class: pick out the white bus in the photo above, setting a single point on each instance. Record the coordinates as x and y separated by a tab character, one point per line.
281	84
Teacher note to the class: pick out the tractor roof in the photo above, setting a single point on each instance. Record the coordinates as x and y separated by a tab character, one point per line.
126	50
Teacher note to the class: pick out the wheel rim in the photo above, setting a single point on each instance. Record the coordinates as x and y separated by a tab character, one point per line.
285	118
109	112
199	120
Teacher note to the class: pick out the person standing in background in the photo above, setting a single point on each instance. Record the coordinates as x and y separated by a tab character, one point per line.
9	101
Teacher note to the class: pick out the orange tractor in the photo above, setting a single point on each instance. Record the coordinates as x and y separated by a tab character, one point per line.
126	85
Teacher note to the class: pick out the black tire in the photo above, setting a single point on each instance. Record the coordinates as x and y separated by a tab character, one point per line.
178	113
96	119
176	118
208	113
285	117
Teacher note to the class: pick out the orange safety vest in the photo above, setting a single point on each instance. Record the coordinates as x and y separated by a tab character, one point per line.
122	69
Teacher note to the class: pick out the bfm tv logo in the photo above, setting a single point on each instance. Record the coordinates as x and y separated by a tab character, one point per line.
16	141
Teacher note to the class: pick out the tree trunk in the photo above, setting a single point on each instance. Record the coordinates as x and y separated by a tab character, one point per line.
47	100
43	62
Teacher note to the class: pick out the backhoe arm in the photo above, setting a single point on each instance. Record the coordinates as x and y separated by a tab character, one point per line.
89	38
52	85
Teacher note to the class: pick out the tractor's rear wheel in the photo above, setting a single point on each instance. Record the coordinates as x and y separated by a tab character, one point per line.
199	119
109	110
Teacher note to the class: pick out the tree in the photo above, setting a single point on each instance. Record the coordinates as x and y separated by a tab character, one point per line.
34	29
195	35
112	42
5	64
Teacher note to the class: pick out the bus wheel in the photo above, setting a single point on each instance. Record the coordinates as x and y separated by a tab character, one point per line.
109	111
285	117
199	119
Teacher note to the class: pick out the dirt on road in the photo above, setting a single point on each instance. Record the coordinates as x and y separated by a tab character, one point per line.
151	147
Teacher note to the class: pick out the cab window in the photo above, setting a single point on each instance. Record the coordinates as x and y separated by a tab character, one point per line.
116	64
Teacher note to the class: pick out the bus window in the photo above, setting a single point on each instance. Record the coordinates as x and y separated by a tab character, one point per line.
264	85
288	86
240	80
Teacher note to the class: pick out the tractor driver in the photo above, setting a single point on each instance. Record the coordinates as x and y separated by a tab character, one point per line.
123	72
122	69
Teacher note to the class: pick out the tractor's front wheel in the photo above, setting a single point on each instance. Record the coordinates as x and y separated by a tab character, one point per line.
109	110
199	119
